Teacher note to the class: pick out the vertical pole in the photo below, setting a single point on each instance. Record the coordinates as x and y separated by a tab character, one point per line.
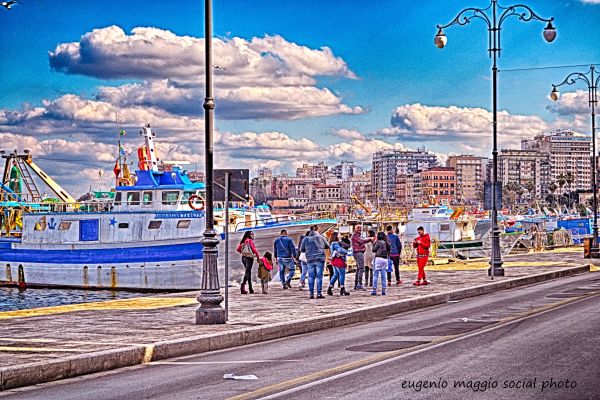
496	258
210	311
226	246
592	96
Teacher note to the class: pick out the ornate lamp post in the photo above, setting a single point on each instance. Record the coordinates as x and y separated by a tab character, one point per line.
210	311
494	24
591	80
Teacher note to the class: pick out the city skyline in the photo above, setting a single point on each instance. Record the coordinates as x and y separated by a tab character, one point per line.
295	82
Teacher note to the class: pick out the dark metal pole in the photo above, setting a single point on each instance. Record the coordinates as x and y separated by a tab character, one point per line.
595	250
227	179
210	311
496	257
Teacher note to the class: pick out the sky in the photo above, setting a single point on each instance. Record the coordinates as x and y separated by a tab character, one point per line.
295	81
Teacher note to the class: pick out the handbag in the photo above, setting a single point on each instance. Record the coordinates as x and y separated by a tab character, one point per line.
338	262
390	265
303	257
247	250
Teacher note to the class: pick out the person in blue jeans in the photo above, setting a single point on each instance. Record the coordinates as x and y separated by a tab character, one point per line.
285	253
381	250
314	246
303	264
339	251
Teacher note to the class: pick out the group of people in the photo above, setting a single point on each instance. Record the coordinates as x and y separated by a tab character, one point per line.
377	255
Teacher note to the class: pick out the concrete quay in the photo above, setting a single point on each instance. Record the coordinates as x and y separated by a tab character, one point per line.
47	344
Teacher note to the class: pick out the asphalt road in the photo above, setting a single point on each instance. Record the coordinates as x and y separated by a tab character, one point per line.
540	341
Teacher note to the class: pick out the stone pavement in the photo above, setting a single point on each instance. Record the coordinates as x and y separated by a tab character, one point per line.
47	334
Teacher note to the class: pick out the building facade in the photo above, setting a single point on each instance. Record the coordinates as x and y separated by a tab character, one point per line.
438	185
569	155
388	164
470	175
525	173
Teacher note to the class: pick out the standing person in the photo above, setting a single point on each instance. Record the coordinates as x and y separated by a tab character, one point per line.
422	244
339	250
248	251
381	249
358	251
285	253
369	257
265	265
395	251
303	264
314	246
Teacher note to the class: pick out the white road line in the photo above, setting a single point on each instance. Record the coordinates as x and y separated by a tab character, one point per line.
218	362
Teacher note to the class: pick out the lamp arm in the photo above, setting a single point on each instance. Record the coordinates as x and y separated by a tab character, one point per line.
571	79
522	11
463	19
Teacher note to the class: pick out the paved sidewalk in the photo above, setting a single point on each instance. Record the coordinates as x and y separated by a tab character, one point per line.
51	334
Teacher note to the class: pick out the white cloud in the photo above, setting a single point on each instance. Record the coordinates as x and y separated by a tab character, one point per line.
571	104
261	78
347	133
590	1
459	129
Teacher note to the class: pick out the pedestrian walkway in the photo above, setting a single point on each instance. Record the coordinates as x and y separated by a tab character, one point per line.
48	334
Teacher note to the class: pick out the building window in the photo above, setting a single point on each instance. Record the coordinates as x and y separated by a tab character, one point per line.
154	224
184	223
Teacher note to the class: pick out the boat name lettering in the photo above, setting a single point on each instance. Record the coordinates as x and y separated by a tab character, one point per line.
178	215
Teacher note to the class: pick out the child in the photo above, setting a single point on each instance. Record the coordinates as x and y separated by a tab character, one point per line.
265	265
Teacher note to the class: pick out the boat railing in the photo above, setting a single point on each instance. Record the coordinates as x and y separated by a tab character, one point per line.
260	222
56	207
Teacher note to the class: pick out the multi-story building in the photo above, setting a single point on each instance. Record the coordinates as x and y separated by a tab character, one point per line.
345	170
470	176
388	164
438	185
569	153
307	171
524	171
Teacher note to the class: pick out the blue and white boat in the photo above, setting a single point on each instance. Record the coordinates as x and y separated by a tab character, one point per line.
146	238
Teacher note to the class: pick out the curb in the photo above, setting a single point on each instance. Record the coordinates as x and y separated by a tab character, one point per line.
68	367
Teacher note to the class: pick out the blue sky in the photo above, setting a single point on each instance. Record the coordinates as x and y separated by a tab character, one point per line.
382	83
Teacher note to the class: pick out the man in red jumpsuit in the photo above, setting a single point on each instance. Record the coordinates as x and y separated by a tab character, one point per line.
422	243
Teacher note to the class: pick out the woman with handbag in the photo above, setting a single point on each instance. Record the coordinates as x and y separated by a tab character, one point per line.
248	251
381	249
338	262
303	263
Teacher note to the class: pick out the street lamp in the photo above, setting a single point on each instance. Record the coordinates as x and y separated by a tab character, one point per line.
592	85
494	25
210	311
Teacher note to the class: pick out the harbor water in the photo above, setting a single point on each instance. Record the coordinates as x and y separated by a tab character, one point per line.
12	298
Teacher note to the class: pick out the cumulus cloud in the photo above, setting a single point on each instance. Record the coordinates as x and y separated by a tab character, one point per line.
261	78
571	104
348	134
459	129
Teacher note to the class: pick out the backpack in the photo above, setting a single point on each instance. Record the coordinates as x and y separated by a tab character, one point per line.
247	250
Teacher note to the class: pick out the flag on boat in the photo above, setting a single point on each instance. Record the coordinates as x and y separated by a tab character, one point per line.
122	132
121	151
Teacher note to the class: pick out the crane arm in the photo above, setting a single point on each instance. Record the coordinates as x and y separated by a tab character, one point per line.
56	188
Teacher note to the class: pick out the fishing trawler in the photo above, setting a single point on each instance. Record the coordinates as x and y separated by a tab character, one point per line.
146	237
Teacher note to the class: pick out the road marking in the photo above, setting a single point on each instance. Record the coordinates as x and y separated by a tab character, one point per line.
140	303
40	349
317	378
218	362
